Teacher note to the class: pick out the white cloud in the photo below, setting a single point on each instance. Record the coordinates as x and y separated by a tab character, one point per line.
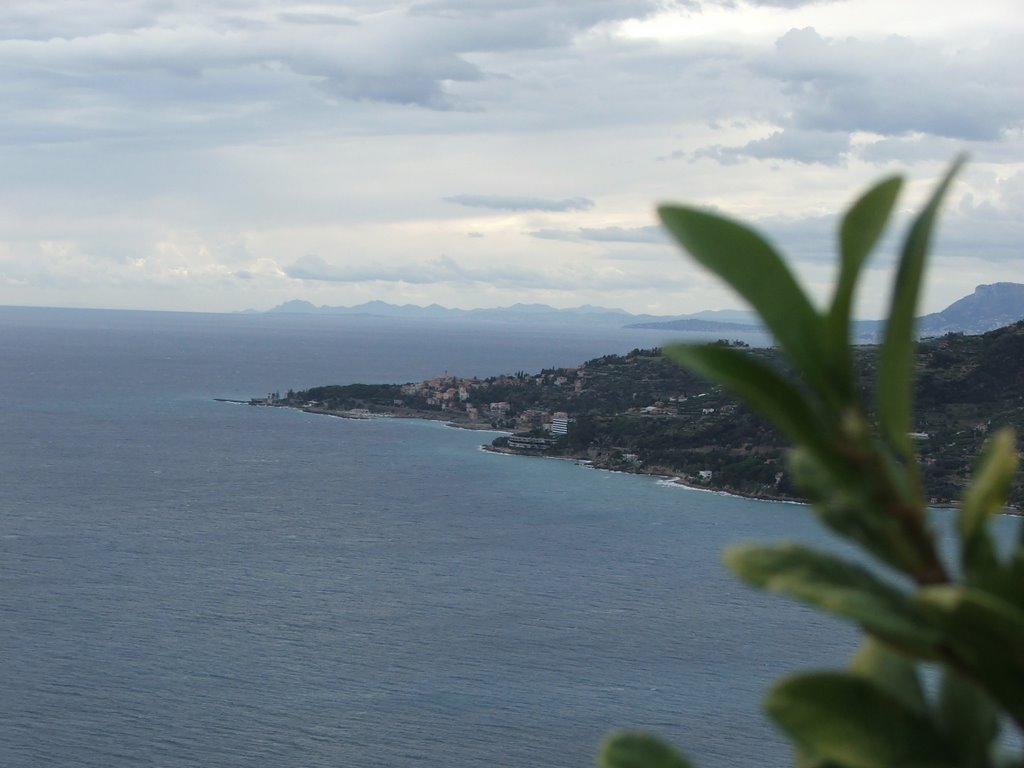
200	153
894	85
514	203
567	276
615	234
826	147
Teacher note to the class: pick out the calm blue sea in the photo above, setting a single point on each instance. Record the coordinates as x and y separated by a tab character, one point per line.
192	583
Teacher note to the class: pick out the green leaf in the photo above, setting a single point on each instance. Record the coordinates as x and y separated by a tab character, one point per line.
851	720
969	719
985	497
638	750
847	501
860	230
896	359
891	672
843	588
1012	588
1006	581
759	385
805	759
748	263
986	636
972	613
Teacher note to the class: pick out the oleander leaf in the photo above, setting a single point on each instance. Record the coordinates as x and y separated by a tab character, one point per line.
628	749
846	502
852	721
894	387
858	234
804	759
969	720
846	589
748	263
985	497
892	672
987	633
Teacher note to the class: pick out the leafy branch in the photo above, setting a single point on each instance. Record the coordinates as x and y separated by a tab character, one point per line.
863	480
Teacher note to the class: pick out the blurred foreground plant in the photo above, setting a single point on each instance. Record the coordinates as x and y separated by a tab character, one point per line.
863	481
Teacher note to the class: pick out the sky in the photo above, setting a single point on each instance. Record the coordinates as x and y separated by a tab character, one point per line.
234	154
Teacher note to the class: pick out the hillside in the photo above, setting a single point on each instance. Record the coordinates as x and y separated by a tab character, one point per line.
640	412
968	386
989	307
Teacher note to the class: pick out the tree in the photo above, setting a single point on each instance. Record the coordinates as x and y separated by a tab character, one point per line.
864	482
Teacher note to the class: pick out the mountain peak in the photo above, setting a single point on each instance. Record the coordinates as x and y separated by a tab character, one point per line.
989	306
295	306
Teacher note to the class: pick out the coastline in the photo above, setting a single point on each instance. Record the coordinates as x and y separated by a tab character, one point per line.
659	473
663	474
413	414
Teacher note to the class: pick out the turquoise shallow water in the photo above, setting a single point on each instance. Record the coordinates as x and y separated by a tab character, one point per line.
190	583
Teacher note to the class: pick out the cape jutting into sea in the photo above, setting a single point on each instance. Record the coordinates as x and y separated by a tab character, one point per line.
192	583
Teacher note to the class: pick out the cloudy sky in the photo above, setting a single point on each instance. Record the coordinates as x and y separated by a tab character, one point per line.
232	154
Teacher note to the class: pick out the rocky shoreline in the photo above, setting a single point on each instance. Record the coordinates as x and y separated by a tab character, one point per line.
458	420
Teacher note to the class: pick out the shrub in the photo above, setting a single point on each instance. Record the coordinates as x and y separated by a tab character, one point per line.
864	482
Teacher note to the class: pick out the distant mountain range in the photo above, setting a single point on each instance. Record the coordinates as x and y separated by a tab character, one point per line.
539	314
990	306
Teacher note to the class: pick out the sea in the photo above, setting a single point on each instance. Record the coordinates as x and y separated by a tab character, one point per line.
186	582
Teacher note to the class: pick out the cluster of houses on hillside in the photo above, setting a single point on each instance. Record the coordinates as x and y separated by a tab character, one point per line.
452	393
520	403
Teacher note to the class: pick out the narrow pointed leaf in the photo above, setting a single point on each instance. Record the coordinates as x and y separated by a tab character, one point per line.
1004	582
987	634
846	501
852	721
840	587
892	672
805	759
968	612
1011	586
896	360
760	386
986	497
638	750
754	269
969	720
860	230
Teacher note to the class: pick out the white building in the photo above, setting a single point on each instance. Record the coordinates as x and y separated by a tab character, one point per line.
560	425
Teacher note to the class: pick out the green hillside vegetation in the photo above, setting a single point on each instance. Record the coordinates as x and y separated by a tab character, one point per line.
967	388
641	412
